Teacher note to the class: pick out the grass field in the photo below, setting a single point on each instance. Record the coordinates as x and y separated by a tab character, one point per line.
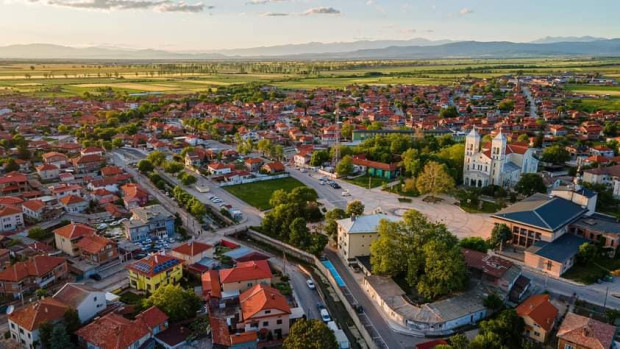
74	79
258	194
595	90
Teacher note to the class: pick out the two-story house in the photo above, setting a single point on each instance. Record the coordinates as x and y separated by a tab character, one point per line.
68	236
539	316
86	300
35	273
154	271
24	322
113	331
11	218
149	221
192	252
97	249
264	308
245	275
580	332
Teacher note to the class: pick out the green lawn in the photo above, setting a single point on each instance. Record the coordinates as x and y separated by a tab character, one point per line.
258	194
487	207
362	181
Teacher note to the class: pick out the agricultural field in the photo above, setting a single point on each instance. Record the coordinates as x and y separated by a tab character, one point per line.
613	91
76	79
258	194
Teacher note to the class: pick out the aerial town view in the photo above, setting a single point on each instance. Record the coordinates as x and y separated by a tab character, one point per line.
309	174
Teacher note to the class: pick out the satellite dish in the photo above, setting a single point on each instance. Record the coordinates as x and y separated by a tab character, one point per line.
9	309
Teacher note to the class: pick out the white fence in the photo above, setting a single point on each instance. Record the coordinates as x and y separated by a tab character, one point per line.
255	179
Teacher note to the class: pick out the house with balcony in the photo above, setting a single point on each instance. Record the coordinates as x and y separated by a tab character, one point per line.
580	332
154	271
245	275
74	204
86	300
539	315
192	252
96	249
68	236
11	218
264	308
149	221
37	272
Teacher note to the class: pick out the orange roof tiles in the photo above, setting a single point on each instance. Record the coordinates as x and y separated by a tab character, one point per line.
539	309
34	205
192	248
93	243
35	266
32	316
261	297
252	270
74	230
586	332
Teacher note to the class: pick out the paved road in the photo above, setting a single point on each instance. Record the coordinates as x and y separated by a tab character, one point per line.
374	322
530	98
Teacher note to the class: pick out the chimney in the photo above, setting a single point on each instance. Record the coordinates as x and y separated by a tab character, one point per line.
586	332
45	309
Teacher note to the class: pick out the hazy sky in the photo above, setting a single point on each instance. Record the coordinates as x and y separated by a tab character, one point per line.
217	24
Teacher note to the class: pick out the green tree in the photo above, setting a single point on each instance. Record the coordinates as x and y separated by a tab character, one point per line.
434	179
156	157
319	157
38	233
355	208
178	303
505	331
299	233
347	130
41	292
493	302
449	112
474	243
459	341
587	253
145	166
188	179
499	235
523	138
60	339
310	334
344	168
331	226
45	334
10	165
530	183
445	270
555	154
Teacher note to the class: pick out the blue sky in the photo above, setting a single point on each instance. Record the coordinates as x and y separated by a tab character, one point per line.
219	24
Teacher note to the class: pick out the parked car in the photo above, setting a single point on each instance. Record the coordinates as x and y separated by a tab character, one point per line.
95	277
310	284
335	185
346	193
320	306
325	316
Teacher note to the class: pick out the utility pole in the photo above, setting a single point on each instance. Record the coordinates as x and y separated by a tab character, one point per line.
606	294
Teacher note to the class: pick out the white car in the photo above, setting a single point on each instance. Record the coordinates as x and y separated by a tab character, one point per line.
325	316
346	193
310	284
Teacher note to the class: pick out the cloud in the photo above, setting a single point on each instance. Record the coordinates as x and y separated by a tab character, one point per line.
321	11
275	14
157	5
182	7
465	11
263	2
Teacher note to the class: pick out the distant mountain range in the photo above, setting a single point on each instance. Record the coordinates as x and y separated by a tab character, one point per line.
366	49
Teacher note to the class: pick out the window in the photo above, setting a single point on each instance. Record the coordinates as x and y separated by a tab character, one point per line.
267	311
536	334
568	346
279	322
12	325
265	323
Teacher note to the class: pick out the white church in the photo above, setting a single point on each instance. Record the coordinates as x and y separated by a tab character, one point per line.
500	164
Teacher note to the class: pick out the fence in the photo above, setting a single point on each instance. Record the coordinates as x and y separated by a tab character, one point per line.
255	179
307	257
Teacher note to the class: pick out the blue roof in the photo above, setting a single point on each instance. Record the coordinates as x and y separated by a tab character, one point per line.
543	212
562	248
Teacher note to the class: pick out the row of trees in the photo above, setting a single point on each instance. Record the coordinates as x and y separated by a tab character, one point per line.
190	203
425	254
287	221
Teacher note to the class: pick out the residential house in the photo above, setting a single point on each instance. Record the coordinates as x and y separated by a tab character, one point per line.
37	272
154	271
48	172
134	196
253	164
580	332
14	183
192	252
34	209
493	270
539	316
24	322
245	275
376	169
55	158
92	151
11	218
264	308
610	176
88	163
74	204
355	234
97	249
218	168
113	331
273	167
149	221
86	300
68	236
602	150
62	190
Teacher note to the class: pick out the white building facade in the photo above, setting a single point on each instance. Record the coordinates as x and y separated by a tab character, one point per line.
500	164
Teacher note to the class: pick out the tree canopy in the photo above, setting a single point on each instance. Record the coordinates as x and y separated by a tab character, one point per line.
530	183
310	334
434	179
176	302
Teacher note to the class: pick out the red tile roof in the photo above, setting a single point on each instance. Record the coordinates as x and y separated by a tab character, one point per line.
35	266
253	270
93	243
211	285
539	309
32	316
74	230
261	297
146	266
71	200
192	248
34	205
9	210
586	332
